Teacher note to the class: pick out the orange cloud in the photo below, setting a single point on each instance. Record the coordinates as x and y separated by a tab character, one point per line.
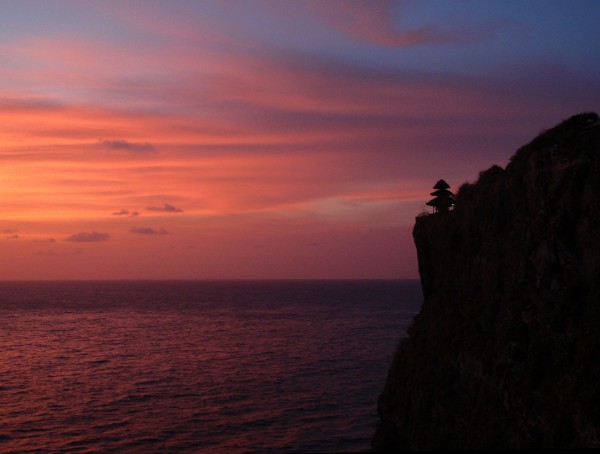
250	152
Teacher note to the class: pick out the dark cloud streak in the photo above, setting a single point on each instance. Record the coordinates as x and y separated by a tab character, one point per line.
166	208
88	237
148	231
124	145
124	212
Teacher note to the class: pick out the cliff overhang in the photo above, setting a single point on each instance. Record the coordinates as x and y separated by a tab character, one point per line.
504	353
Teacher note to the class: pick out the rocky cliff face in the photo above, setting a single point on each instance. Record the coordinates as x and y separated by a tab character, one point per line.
506	349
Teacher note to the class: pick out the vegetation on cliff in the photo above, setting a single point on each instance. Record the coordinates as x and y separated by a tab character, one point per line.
504	353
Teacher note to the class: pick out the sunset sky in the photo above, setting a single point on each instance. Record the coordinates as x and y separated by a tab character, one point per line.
264	139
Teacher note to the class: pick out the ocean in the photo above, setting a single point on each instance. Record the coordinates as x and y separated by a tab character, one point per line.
197	366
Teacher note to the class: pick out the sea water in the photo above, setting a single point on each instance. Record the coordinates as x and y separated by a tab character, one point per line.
225	366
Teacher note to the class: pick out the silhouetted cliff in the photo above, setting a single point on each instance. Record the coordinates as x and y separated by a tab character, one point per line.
506	349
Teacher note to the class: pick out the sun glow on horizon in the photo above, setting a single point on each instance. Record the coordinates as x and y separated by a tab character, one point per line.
185	141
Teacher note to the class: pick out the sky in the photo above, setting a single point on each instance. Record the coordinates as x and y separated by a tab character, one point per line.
259	139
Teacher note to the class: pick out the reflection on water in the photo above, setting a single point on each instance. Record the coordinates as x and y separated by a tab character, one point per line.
219	366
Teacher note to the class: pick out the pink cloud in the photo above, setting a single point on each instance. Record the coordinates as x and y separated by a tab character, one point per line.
372	21
297	147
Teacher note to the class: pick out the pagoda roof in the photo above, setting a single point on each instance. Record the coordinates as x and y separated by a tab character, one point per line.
441	184
442	192
434	202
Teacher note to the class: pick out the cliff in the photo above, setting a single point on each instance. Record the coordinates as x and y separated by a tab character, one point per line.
505	352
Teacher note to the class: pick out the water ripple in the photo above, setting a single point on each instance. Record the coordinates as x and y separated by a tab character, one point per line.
195	366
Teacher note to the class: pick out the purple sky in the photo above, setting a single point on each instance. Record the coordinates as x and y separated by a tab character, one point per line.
264	139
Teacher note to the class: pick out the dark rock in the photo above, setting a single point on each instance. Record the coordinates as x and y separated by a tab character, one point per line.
505	352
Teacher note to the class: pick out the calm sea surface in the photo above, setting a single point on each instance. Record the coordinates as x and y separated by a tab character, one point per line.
197	366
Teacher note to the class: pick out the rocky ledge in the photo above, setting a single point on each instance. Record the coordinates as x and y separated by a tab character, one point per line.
505	352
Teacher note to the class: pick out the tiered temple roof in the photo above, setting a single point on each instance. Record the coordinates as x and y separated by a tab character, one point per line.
444	199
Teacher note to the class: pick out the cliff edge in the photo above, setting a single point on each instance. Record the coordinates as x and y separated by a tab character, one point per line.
505	352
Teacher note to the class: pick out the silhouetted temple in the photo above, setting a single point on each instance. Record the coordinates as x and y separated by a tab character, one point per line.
444	199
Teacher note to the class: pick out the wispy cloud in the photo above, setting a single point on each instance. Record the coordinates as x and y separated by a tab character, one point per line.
372	21
54	253
124	212
88	237
127	146
325	115
148	231
166	208
28	104
11	234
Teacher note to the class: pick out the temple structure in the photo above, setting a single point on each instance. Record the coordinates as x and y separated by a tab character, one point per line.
444	199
